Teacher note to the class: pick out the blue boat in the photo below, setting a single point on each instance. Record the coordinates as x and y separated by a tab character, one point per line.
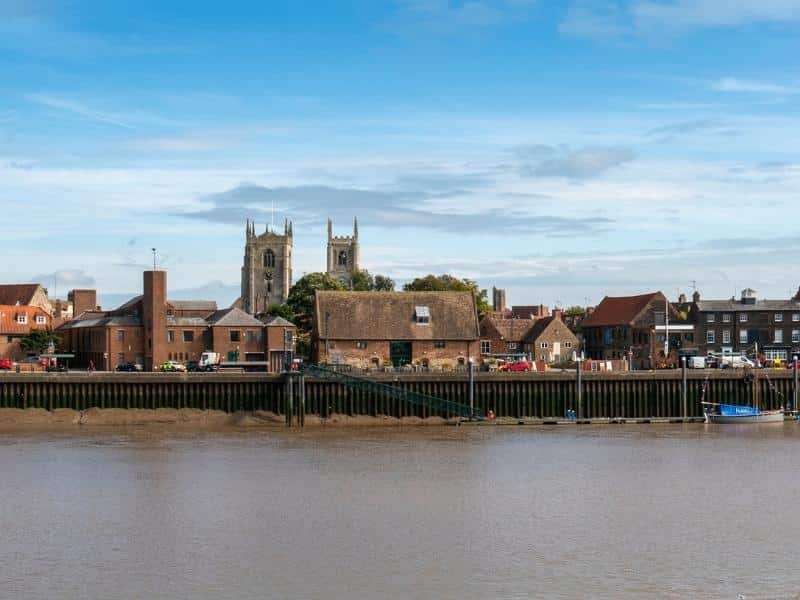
737	413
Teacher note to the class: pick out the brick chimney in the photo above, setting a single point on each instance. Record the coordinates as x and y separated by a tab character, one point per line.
82	300
557	313
696	297
154	308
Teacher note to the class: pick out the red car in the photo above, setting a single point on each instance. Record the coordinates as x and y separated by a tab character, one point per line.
6	364
518	366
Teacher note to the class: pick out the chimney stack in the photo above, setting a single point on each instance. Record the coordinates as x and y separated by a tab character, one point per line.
154	309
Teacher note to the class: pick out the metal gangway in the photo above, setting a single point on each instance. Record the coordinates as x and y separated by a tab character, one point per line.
376	387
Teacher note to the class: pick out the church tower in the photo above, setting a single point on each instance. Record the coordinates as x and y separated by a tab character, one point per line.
343	254
267	269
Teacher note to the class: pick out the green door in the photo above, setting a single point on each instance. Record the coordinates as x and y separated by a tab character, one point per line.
400	353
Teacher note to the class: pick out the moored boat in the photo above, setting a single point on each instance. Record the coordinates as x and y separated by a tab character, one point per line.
736	413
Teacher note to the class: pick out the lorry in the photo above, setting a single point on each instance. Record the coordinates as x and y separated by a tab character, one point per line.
209	361
735	362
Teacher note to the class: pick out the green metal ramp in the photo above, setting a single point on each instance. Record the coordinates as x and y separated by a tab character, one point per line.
362	383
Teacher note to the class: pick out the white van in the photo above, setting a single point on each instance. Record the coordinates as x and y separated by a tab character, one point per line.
696	362
735	362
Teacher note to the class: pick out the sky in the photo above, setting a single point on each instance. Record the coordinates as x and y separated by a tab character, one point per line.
563	150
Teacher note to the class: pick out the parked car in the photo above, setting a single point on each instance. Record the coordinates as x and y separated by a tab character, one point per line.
6	364
518	366
171	366
193	366
128	367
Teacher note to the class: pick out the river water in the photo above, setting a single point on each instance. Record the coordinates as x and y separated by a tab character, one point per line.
488	512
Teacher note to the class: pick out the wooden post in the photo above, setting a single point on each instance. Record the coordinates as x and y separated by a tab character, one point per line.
684	392
288	408
579	388
301	405
794	384
471	379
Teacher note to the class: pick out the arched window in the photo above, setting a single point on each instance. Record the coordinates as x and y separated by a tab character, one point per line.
269	258
343	258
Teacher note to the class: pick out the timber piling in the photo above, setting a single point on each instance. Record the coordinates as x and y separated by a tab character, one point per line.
535	397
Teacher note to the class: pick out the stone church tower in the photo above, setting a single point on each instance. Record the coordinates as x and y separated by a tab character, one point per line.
267	269
343	254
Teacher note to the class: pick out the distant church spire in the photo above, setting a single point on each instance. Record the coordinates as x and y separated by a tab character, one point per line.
355	228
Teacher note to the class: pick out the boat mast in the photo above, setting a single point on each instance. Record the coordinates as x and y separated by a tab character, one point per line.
755	380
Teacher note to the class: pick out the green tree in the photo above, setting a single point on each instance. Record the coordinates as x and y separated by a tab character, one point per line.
363	281
281	310
448	283
38	340
383	284
301	296
574	311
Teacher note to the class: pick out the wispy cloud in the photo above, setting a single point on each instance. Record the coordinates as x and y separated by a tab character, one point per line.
65	279
78	108
666	133
585	163
733	84
405	209
616	18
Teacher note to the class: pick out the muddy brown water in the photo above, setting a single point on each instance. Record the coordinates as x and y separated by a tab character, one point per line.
601	511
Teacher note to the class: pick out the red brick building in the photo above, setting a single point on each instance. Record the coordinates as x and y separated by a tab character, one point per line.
546	339
437	330
150	329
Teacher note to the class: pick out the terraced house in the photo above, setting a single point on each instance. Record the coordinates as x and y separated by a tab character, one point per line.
739	325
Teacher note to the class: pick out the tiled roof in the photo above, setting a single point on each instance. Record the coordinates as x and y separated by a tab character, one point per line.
512	330
129	304
17	293
233	317
390	316
118	321
738	306
619	310
208	305
8	319
276	321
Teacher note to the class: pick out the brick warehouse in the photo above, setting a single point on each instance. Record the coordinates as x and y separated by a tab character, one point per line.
370	330
150	329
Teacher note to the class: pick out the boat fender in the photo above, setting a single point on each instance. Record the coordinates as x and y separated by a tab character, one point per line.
490	415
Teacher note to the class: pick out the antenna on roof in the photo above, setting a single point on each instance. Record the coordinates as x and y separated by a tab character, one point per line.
693	285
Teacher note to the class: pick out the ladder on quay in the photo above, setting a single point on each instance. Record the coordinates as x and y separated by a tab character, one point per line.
439	405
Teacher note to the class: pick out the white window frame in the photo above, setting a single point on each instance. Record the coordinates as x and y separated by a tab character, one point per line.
795	317
777	336
512	345
40	320
486	347
778	317
567	344
710	317
22	319
726	336
544	345
743	336
726	317
742	317
711	337
795	336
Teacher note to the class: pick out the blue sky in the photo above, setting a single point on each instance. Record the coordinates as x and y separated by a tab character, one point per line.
563	150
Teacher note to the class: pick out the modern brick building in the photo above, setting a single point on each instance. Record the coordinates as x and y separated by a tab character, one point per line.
437	330
738	325
150	329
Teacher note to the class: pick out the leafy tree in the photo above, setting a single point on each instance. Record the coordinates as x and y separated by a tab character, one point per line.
363	281
38	340
301	296
281	310
448	283
575	311
383	284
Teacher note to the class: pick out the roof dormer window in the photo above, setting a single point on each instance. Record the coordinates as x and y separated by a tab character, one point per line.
22	319
40	320
422	315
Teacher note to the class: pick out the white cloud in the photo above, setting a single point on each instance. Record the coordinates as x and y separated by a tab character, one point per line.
732	84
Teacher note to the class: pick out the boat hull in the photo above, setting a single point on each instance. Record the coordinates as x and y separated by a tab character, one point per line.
772	416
